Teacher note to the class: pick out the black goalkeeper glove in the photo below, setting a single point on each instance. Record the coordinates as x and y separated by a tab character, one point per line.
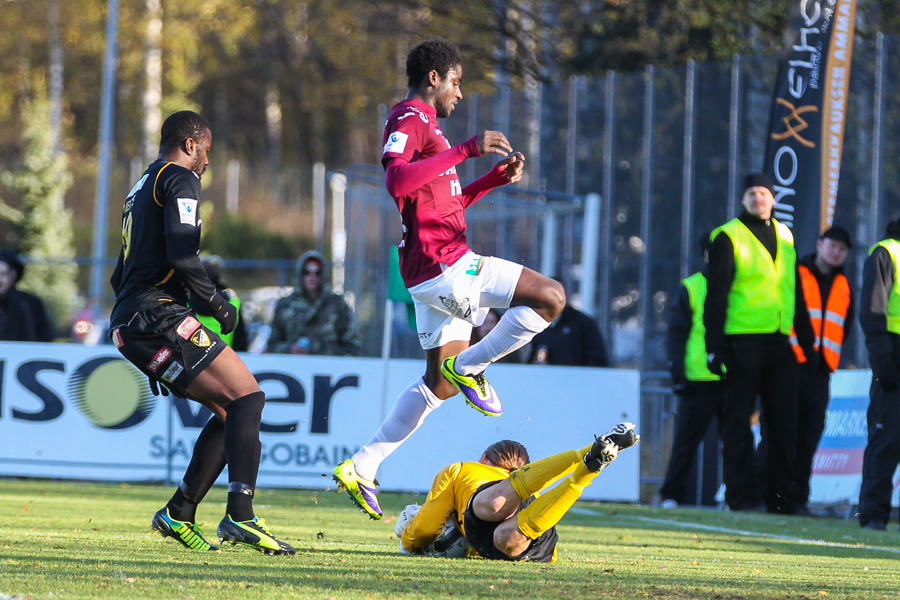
224	312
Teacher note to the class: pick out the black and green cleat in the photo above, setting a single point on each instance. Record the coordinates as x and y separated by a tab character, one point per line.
188	534
253	533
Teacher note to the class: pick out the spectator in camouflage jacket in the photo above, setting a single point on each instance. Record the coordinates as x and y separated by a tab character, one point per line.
313	319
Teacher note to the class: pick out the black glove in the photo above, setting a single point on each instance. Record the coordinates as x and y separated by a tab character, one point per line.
888	376
715	362
223	312
156	390
681	386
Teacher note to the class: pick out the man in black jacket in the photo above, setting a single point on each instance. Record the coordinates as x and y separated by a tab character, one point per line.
22	315
572	339
753	299
879	318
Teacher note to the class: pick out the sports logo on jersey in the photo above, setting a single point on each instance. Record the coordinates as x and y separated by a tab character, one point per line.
200	339
396	142
187	327
475	266
162	356
116	336
187	211
461	308
172	372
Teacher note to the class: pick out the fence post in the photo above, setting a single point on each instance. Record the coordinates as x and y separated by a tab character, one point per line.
338	183
232	193
590	252
548	246
319	206
609	125
646	193
734	131
687	178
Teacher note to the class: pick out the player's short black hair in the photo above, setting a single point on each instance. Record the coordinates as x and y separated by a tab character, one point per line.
507	454
179	127
432	55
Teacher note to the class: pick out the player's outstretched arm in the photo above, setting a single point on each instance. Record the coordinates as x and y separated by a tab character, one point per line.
403	177
508	170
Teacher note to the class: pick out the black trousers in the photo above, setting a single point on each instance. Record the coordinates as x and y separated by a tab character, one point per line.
696	412
813	404
763	366
881	456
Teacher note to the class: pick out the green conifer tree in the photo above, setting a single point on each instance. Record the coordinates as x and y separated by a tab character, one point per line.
44	224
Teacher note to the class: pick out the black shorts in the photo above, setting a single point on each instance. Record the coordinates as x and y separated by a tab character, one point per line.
481	535
168	343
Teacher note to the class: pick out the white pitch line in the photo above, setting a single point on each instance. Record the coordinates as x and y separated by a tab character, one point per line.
787	538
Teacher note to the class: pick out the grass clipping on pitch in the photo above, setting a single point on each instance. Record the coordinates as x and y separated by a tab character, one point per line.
87	540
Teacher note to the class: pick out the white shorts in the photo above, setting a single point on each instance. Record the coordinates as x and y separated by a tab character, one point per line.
449	305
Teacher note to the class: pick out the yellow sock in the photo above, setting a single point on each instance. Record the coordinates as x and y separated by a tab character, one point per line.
546	511
535	476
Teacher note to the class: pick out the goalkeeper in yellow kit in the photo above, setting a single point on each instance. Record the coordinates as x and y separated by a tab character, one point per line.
493	502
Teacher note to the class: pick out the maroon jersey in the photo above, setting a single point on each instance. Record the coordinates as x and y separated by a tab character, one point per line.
428	193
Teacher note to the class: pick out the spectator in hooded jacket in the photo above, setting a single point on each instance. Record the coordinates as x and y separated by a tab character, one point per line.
313	319
22	315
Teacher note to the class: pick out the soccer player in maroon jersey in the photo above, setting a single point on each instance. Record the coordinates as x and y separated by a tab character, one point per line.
452	287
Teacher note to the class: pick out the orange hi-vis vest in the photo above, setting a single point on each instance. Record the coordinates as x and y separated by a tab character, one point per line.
828	325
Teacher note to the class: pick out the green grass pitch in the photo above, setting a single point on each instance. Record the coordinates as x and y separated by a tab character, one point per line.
90	540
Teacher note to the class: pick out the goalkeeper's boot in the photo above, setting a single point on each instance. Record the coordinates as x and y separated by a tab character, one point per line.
606	447
478	392
253	533
187	533
361	491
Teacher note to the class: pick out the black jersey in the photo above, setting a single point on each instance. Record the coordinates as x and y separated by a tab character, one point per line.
160	220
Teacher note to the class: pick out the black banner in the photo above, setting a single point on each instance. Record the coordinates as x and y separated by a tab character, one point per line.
806	126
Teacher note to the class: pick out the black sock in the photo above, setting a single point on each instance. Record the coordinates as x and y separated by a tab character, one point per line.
207	462
241	441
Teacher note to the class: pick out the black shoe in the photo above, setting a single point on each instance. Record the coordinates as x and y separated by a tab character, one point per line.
253	533
606	447
188	534
875	525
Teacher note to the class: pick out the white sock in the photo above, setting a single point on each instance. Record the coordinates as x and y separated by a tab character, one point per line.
409	411
516	328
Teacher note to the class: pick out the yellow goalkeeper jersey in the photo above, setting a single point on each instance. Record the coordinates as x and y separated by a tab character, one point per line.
449	496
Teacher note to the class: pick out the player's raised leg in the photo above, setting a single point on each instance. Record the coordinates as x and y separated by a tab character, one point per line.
536	301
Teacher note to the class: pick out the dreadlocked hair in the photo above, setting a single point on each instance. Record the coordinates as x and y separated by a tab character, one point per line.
507	454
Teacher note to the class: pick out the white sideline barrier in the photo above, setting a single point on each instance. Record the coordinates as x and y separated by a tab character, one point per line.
75	412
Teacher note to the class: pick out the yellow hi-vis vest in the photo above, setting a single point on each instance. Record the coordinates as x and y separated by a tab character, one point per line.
893	307
761	299
695	368
211	323
828	322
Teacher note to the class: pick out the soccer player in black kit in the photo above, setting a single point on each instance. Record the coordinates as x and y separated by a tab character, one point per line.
157	273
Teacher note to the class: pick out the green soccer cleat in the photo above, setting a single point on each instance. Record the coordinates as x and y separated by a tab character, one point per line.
478	392
188	534
361	491
253	533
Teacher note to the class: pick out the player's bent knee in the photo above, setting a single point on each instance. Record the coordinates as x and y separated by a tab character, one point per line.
555	298
509	540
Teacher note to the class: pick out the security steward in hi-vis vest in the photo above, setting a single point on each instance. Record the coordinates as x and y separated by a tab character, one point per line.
699	391
830	303
753	299
879	318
